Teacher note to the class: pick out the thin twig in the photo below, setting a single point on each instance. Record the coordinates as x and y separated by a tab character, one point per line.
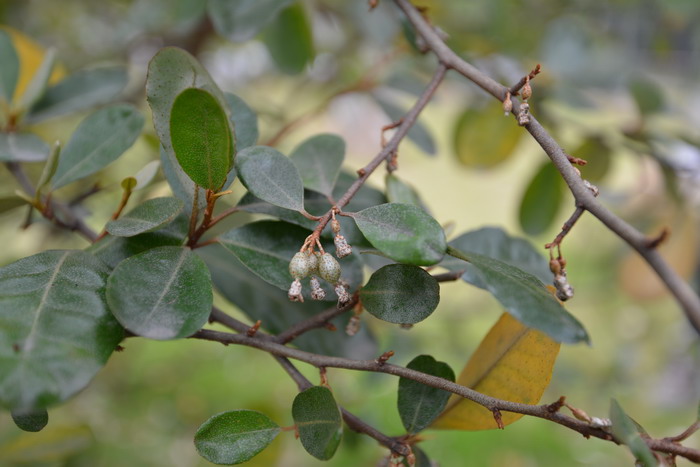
683	293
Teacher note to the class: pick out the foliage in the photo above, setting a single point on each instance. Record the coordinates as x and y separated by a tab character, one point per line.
195	241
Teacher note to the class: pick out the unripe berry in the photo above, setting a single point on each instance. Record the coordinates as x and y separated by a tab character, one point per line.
328	268
313	262
300	266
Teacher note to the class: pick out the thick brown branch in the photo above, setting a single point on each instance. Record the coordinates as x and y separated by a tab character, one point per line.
491	403
684	294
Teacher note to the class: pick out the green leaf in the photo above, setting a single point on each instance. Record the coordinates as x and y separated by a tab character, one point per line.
271	176
30	420
398	191
418	133
647	95
497	244
9	72
319	159
524	297
55	329
404	232
290	56
112	250
234	437
541	200
8	203
97	142
419	404
625	429
49	169
148	216
261	301
83	90
267	247
245	121
201	137
44	448
241	20
162	293
402	294
483	138
598	155
181	185
144	176
22	147
318	421
39	82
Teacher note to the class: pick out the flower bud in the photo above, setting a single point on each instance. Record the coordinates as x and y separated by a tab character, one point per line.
342	249
564	290
294	293
524	114
353	326
507	104
317	293
335	226
328	268
526	91
343	295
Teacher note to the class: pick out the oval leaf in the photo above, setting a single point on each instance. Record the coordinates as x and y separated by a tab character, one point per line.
474	137
513	363
234	437
290	56
404	232
162	293
495	243
52	305
9	72
625	429
200	134
524	297
243	19
419	404
271	176
98	141
318	421
245	121
22	147
401	294
30	420
82	90
148	216
541	200
319	159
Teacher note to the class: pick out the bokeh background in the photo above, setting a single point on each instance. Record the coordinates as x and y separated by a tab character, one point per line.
619	87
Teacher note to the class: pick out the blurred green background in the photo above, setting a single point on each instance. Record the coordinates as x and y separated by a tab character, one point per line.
619	87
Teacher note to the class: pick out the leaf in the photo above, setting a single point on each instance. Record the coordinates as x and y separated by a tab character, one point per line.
290	56
267	247
318	421
49	169
261	301
8	203
597	154
162	293
241	20
9	72
271	176
497	244
148	216
245	121
422	459
39	81
418	132
647	95
97	142
540	202
234	437
55	329
514	363
144	176
419	404
524	297
398	191
202	138
22	147
483	138
30	420
401	294
47	446
404	232
625	429
318	160
181	185
82	90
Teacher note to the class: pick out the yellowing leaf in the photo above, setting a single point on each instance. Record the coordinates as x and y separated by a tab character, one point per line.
513	363
30	54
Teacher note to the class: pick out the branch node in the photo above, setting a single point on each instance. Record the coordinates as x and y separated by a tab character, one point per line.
330	326
499	419
654	242
253	329
383	358
576	160
555	406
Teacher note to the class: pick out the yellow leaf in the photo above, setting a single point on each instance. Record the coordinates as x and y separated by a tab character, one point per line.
513	363
30	54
